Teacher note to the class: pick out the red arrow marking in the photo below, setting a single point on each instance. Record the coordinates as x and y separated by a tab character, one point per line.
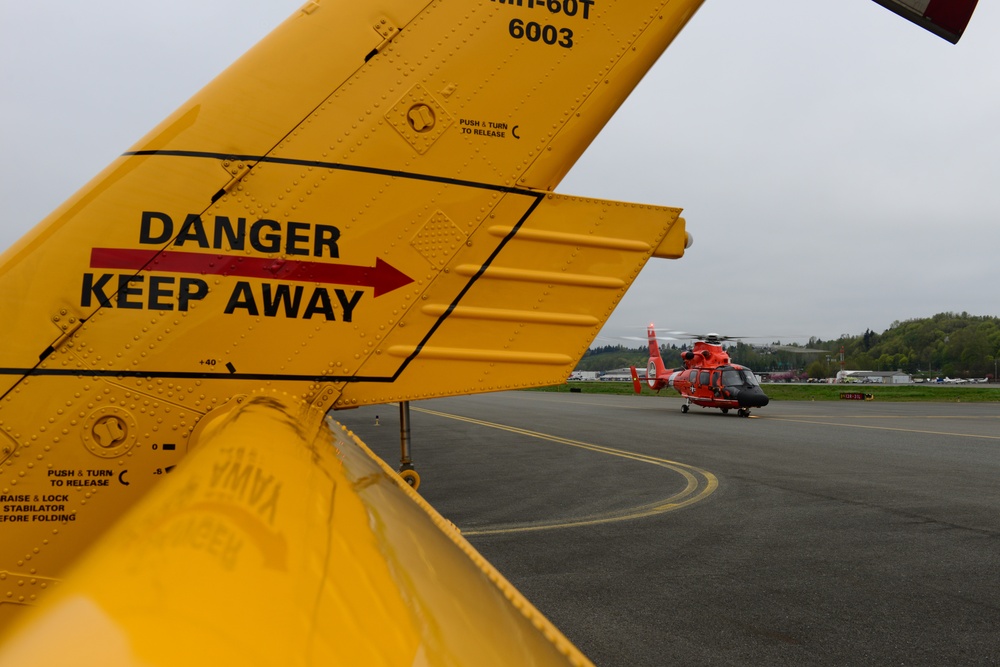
383	277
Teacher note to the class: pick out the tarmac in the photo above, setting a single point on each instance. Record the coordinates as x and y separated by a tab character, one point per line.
812	533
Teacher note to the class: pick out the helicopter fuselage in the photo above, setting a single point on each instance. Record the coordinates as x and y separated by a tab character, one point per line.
729	386
709	379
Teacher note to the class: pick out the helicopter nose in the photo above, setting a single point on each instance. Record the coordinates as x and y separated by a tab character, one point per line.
752	398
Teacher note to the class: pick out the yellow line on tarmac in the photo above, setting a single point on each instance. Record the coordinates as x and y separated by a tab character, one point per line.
694	491
885	428
630	402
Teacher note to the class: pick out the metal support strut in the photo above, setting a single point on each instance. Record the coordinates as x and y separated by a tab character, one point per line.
406	470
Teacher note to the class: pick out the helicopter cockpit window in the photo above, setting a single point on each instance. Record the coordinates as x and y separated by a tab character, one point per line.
731	378
739	377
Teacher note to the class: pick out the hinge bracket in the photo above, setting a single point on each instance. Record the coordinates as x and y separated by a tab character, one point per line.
68	325
238	170
388	31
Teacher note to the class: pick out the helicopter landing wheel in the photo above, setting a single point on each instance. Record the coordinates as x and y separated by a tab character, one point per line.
685	408
743	412
725	411
411	477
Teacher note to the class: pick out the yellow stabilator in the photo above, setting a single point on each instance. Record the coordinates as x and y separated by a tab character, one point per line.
273	545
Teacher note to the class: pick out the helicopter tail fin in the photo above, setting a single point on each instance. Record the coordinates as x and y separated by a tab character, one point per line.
636	386
312	222
654	346
656	372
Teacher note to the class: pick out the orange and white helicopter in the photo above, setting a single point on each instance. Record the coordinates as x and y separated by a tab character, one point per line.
708	379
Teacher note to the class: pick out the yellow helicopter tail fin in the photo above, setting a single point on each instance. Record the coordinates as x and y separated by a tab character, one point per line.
359	210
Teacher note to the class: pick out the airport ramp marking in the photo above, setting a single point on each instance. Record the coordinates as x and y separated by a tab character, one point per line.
885	428
699	483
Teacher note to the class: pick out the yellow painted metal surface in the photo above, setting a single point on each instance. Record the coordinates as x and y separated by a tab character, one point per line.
526	316
276	545
359	210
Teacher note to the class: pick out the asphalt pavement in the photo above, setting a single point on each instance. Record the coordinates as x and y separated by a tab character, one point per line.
814	533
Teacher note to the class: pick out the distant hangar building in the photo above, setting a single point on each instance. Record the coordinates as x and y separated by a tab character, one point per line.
875	377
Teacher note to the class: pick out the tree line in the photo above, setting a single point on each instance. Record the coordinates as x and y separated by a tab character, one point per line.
947	344
956	345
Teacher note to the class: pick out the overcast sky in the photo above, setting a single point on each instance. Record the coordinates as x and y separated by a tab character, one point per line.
839	171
